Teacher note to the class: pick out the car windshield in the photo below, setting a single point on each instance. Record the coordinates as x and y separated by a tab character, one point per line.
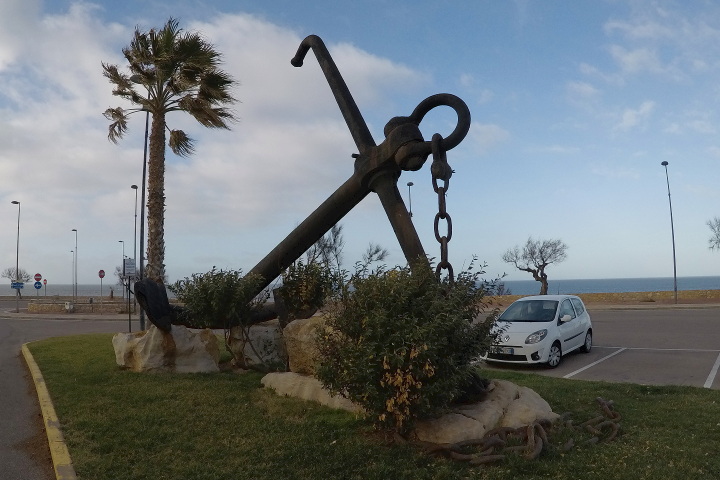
530	311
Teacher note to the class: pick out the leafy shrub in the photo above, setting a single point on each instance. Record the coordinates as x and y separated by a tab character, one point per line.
217	298
305	287
401	343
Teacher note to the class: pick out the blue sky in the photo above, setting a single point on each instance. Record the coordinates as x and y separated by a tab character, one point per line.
574	103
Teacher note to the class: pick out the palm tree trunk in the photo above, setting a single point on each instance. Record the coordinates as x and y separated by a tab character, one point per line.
155	268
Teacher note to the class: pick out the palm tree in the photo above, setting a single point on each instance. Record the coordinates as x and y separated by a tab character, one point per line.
179	72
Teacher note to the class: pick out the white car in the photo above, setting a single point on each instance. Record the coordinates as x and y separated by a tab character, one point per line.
541	329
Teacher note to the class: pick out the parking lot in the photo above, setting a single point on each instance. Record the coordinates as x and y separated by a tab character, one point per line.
658	346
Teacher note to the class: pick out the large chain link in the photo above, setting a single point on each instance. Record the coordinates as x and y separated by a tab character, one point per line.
441	171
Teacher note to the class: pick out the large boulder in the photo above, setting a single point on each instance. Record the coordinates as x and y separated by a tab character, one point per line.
506	405
180	350
301	345
259	345
306	388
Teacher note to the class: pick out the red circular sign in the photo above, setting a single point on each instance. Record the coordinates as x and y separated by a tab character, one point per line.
45	281
38	277
101	273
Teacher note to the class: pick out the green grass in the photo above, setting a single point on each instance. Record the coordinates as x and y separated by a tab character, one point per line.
122	425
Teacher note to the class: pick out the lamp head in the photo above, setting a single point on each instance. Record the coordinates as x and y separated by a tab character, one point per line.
664	164
134	187
15	202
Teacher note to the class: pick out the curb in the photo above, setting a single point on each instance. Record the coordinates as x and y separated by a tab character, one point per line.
62	463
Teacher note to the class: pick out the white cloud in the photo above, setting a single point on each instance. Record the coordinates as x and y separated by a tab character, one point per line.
289	151
631	118
484	137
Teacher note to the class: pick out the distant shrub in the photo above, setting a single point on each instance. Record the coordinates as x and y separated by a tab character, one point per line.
401	344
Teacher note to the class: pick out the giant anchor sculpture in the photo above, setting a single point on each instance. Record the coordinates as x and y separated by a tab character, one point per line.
377	169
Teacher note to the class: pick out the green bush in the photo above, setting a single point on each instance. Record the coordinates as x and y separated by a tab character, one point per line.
218	298
401	344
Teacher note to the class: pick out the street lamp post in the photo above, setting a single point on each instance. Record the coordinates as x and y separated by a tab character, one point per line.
75	282
17	260
134	187
122	266
410	184
672	230
142	214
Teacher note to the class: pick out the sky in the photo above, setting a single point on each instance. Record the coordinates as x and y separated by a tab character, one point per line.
574	106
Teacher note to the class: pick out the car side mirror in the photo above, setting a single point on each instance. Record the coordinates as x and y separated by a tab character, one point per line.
565	318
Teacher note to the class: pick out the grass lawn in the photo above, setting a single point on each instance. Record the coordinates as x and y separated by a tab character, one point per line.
122	425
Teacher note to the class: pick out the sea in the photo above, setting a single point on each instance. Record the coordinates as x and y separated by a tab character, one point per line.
611	285
511	287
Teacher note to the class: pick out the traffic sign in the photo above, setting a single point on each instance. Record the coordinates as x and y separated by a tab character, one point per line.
38	285
17	285
129	267
38	277
44	281
101	273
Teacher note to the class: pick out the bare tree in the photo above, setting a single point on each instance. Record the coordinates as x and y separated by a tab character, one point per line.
22	276
535	257
714	225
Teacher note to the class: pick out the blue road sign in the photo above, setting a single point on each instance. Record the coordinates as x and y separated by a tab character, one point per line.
17	285
38	285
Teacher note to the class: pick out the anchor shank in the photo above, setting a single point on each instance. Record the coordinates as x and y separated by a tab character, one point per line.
385	185
330	212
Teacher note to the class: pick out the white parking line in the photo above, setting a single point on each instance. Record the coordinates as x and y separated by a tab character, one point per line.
713	373
572	374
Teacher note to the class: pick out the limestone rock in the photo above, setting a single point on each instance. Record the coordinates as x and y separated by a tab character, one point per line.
306	388
507	405
261	344
301	345
181	350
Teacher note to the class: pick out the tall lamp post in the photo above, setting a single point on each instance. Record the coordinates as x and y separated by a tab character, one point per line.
75	282
134	187
672	230
122	265
72	268
410	184
17	260
138	80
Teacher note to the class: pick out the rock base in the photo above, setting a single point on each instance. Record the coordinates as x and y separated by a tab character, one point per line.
180	351
507	405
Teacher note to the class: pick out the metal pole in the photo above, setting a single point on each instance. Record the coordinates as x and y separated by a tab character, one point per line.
75	284
17	261
122	267
672	230
134	187
410	184
142	215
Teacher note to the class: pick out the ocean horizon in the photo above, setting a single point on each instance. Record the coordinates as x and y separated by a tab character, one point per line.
511	287
612	285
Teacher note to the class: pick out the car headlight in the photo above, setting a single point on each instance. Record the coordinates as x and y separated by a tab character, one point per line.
536	337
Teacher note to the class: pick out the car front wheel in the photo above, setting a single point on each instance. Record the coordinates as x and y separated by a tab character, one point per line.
554	355
588	342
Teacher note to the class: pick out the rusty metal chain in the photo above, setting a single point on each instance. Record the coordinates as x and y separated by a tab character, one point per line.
528	441
441	171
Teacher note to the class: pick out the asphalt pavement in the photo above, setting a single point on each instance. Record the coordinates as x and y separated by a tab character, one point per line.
24	451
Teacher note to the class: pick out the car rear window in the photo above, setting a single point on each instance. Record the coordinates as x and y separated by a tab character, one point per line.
579	307
530	311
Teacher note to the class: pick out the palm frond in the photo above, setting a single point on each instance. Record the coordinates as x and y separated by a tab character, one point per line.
181	144
118	127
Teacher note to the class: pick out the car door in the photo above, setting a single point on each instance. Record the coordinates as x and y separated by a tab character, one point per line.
583	317
571	332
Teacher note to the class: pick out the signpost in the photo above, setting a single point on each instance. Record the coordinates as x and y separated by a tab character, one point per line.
101	274
37	285
45	285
